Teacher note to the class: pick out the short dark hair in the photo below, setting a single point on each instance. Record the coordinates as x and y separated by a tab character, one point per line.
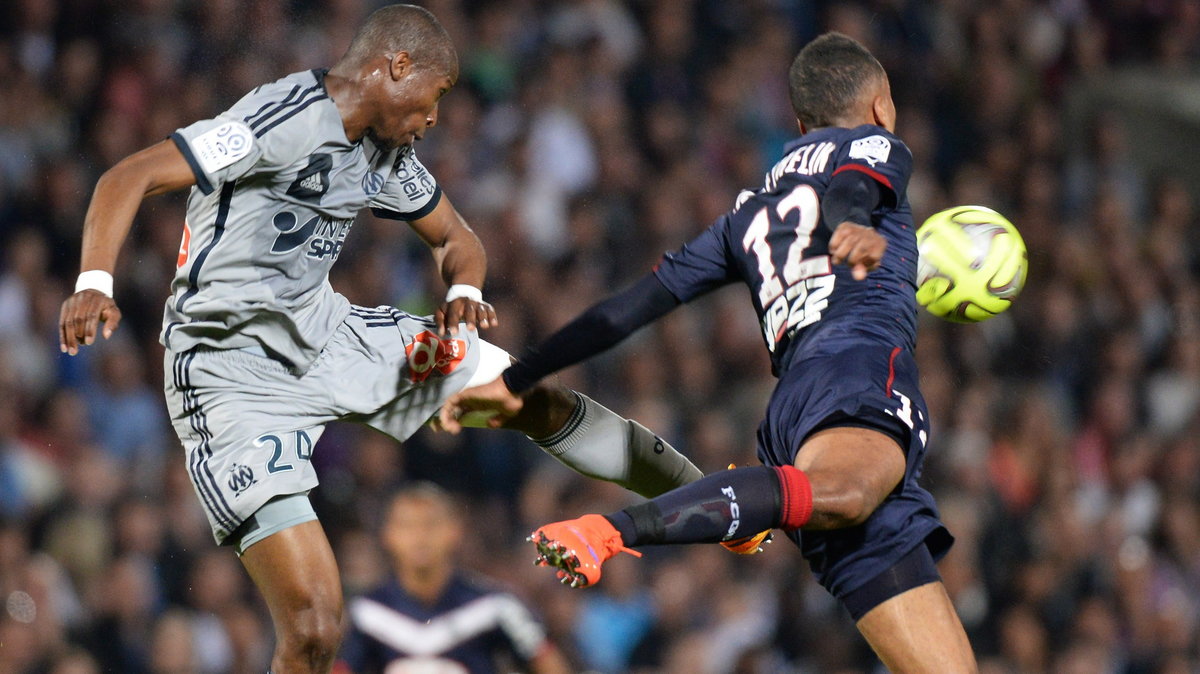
827	77
409	28
428	491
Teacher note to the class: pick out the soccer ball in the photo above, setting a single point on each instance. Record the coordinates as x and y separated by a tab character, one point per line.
972	264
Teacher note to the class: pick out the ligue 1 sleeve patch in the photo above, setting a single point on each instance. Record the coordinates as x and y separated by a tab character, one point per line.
872	149
220	147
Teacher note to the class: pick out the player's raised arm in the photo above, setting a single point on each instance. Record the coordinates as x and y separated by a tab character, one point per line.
157	169
462	263
846	209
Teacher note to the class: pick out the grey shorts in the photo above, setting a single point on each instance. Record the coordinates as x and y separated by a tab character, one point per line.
249	425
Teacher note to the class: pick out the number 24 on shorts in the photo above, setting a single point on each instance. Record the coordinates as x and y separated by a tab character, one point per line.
301	447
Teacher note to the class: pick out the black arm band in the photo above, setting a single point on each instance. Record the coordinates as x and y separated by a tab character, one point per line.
596	330
850	197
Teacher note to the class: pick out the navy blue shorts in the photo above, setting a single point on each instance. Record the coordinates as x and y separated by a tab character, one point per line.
870	387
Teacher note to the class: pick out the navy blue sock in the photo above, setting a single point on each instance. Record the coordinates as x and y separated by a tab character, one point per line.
722	506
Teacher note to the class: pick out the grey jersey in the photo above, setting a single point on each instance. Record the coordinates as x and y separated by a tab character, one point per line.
277	188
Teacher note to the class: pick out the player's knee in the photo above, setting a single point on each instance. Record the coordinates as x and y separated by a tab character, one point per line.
843	500
313	634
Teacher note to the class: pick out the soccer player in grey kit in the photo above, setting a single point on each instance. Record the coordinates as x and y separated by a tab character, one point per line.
261	352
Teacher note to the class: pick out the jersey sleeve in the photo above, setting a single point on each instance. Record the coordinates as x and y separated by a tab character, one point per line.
410	192
237	143
701	265
880	155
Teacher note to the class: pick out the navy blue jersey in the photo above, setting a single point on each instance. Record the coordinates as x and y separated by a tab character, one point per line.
466	630
776	242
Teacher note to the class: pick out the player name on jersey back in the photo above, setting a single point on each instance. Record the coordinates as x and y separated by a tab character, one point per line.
806	159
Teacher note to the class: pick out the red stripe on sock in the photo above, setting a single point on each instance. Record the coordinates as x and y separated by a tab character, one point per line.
797	499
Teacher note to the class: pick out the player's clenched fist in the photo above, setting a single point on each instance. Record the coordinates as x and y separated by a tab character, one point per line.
858	246
81	315
476	314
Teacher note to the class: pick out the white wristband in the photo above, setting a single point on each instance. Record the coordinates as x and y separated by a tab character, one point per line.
95	279
464	290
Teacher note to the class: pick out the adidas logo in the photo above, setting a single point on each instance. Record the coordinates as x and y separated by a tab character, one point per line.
313	183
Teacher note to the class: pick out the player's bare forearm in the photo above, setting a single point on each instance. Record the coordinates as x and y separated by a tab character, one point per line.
456	250
119	193
462	261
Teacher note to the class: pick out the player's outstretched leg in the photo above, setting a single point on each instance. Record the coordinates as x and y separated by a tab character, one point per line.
585	436
297	575
720	507
594	441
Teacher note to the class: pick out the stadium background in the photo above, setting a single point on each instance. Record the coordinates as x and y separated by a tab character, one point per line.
584	139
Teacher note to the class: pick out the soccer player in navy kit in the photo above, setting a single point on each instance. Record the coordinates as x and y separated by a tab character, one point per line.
844	435
432	616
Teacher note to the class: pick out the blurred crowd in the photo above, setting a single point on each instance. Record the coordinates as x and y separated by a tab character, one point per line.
584	139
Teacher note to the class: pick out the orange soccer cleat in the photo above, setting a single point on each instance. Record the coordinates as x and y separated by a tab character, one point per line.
578	547
748	545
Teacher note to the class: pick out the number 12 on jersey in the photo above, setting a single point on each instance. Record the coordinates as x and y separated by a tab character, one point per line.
797	299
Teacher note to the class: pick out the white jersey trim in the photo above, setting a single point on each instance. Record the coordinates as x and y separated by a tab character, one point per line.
449	629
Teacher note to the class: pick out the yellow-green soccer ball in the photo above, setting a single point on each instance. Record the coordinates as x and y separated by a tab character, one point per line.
972	264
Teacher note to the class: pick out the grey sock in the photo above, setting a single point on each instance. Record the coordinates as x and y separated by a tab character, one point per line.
598	443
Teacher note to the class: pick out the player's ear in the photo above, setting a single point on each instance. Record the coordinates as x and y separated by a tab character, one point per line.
400	64
882	107
884	112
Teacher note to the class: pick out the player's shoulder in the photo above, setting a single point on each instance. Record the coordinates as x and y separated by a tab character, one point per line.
287	90
871	142
271	106
289	118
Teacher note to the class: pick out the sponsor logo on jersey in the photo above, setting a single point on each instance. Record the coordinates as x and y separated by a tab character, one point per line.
428	355
223	146
415	180
321	237
312	182
872	149
240	478
372	183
